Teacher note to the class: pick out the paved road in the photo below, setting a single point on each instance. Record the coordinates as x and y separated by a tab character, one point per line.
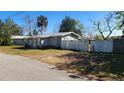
20	68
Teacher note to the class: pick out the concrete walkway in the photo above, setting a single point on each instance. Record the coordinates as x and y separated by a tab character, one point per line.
20	68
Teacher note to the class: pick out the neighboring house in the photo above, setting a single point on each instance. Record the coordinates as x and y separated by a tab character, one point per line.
18	40
51	40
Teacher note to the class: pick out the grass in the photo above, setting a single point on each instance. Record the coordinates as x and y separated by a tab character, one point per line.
43	55
22	51
98	66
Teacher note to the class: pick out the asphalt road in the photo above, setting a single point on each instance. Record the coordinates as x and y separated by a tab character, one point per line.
18	68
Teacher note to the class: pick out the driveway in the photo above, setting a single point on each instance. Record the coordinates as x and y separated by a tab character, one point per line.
20	68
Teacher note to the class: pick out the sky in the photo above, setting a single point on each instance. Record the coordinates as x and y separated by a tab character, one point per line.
55	17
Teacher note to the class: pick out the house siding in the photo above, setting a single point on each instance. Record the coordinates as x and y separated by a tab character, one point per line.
52	41
55	42
18	41
69	37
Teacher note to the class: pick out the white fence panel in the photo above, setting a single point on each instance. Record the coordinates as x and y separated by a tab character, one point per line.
84	45
75	45
102	45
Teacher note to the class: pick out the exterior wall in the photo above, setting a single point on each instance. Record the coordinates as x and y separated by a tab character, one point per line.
102	46
34	45
69	37
56	41
28	42
18	41
70	42
44	42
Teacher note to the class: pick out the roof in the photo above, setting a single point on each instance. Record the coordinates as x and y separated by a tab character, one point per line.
56	34
62	34
45	36
19	37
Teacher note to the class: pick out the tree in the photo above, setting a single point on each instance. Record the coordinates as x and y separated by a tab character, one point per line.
13	28
69	24
42	23
28	23
7	29
98	37
4	33
120	20
30	27
1	31
35	26
105	26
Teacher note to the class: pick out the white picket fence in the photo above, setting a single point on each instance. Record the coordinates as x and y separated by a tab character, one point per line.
80	45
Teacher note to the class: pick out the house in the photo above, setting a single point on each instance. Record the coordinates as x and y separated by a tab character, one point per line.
51	40
18	40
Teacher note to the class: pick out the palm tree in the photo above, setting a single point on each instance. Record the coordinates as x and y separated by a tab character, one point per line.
42	23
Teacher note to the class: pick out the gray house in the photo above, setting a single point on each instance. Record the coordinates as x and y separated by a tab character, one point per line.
18	40
51	40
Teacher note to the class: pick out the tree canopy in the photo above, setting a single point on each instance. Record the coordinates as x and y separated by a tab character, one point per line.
7	29
13	28
42	23
35	26
120	20
69	24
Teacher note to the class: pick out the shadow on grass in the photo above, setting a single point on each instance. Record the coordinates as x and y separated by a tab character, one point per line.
96	65
38	48
21	48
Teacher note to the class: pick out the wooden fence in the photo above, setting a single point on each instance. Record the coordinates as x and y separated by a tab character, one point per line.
91	46
118	46
80	45
110	46
102	46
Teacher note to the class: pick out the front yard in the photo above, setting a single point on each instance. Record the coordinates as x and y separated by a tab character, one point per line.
96	66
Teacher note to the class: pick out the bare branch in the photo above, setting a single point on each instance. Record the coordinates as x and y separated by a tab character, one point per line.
105	25
97	25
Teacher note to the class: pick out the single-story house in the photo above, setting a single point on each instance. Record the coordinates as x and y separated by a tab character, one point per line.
19	40
51	40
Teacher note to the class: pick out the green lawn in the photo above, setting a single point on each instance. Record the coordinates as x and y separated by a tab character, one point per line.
98	66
